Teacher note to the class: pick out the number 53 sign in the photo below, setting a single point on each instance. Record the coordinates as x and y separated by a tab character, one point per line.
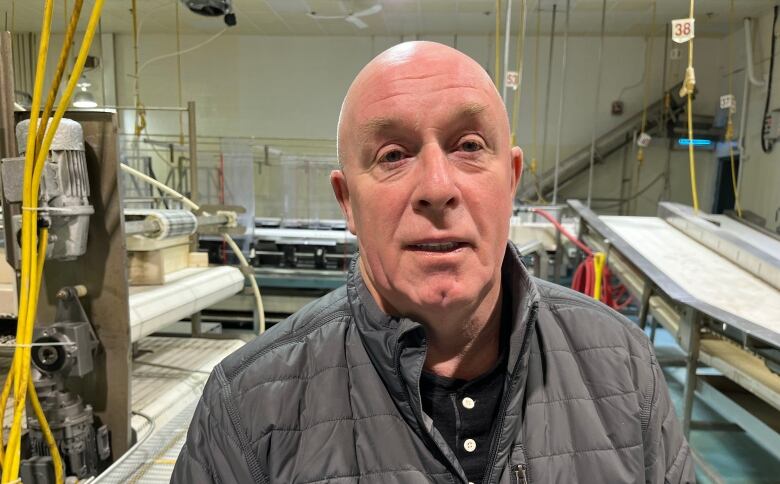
682	30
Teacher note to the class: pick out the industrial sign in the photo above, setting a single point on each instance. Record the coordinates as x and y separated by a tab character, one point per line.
682	30
644	140
728	101
512	80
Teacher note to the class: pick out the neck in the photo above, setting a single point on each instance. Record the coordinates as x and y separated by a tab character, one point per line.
466	346
463	343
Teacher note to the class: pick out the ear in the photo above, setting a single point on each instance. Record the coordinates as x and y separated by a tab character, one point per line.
517	167
339	183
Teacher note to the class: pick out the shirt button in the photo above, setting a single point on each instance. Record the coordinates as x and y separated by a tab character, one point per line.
470	445
468	403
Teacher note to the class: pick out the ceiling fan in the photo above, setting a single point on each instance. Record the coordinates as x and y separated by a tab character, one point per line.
351	17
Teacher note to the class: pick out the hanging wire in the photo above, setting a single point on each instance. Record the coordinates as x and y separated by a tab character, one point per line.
535	114
178	75
596	103
688	89
547	94
497	69
507	37
562	101
730	122
640	155
519	48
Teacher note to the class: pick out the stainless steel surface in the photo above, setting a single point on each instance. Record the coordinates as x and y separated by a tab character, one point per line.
750	250
669	286
193	145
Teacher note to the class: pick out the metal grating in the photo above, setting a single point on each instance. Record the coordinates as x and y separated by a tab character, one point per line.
153	460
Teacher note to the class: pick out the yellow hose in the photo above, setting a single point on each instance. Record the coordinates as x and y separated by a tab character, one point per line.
689	86
33	251
598	268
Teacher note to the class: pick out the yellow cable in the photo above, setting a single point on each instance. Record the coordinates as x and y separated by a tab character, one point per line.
598	265
497	70
689	87
640	155
61	65
32	259
10	470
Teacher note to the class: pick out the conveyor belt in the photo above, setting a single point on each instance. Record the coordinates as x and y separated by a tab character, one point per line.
700	271
185	292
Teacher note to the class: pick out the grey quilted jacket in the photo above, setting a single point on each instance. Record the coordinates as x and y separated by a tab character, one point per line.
332	395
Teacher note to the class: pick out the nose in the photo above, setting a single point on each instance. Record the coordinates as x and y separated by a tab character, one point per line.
436	188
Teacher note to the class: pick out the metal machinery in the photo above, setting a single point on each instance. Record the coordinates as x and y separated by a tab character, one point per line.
66	349
91	322
714	284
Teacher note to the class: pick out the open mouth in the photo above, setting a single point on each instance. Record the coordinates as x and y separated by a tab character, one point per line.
437	246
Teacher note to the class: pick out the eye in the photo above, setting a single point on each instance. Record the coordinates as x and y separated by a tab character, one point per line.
393	156
470	146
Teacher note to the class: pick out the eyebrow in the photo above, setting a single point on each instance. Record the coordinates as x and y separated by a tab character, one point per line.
379	124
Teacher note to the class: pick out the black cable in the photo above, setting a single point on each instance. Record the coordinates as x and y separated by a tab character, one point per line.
636	195
766	146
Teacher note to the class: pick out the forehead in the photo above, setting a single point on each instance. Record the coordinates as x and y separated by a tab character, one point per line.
435	78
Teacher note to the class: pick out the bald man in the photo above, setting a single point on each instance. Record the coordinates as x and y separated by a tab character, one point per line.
441	360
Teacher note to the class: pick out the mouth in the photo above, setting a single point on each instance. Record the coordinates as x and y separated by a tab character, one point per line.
438	247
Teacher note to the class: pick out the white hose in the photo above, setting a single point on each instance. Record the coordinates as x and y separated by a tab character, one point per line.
194	206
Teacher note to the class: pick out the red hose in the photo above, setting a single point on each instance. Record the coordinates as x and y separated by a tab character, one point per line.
584	279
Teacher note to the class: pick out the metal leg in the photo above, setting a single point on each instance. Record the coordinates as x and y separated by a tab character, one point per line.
653	326
195	320
645	305
692	336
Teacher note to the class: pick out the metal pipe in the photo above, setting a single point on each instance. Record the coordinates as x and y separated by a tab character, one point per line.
7	128
507	35
596	103
193	144
151	227
560	105
549	81
749	55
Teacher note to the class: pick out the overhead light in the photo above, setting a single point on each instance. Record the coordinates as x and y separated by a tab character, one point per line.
84	98
694	142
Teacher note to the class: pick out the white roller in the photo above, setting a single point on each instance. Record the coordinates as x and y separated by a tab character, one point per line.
184	293
172	223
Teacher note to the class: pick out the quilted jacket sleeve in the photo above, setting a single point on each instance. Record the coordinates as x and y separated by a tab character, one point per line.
668	458
212	452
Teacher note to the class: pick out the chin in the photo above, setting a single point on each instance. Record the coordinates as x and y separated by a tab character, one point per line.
443	294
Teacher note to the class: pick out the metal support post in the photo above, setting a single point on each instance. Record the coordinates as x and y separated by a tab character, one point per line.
195	319
690	339
645	305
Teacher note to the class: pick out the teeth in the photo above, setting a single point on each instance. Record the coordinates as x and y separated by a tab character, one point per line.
443	247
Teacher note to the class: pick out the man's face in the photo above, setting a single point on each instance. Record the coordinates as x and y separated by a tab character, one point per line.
428	179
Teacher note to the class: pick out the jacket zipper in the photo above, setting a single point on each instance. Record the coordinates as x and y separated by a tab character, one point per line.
507	395
520	471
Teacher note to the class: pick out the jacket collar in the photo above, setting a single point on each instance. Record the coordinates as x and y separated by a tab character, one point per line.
384	336
397	349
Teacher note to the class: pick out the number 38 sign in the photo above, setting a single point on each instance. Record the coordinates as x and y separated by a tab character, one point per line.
682	30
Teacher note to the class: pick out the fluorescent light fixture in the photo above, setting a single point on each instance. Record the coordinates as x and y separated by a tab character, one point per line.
694	142
84	99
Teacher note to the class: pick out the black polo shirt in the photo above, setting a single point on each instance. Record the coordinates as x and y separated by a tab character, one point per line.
464	412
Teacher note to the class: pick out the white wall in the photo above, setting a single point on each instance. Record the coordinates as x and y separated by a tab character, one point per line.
761	173
292	87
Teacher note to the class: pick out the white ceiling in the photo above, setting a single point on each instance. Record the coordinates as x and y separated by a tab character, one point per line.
397	18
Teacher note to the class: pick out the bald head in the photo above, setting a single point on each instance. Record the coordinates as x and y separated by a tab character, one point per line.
405	67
